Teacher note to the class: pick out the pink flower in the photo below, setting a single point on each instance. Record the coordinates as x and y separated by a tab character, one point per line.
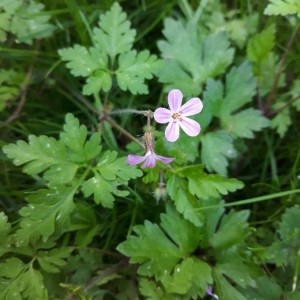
150	157
177	116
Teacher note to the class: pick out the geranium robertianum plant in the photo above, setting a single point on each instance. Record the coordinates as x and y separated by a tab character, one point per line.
130	198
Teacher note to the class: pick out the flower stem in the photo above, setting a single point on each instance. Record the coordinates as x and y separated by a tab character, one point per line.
121	129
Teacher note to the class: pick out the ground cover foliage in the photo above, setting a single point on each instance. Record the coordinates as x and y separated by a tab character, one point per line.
79	82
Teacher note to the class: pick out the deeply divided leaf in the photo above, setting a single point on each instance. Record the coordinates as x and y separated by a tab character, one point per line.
217	149
114	35
189	58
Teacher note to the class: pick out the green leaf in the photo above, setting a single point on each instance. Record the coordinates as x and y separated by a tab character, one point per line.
34	285
179	150
240	87
289	228
151	248
242	124
266	289
182	232
40	153
262	71
190	274
4	227
85	224
48	210
100	80
29	22
66	172
134	69
11	268
10	85
90	63
190	277
217	148
185	202
114	35
237	271
282	119
52	261
101	190
109	174
283	7
295	94
261	44
217	55
190	59
83	61
20	281
74	137
113	39
151	291
59	160
207	186
213	96
7	9
233	228
225	289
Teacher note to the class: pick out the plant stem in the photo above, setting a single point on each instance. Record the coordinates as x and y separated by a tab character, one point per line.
271	96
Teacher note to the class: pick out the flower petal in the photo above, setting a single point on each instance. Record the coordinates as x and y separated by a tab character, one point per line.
189	126
175	100
192	107
165	160
150	161
135	159
162	115
172	131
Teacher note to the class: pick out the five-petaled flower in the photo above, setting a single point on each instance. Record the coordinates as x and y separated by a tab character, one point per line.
177	116
150	157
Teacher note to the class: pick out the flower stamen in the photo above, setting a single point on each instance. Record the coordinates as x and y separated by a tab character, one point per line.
176	116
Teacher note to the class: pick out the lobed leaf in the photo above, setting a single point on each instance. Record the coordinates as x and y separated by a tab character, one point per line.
52	261
244	123
151	248
207	186
289	228
10	85
233	228
282	119
217	148
48	210
83	61
185	235
185	203
283	7
20	281
38	154
189	58
29	22
150	290
4	227
261	44
134	69
240	87
109	173
74	137
114	35
224	288
217	55
190	275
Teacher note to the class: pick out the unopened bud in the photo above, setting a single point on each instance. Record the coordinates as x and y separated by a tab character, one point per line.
160	193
